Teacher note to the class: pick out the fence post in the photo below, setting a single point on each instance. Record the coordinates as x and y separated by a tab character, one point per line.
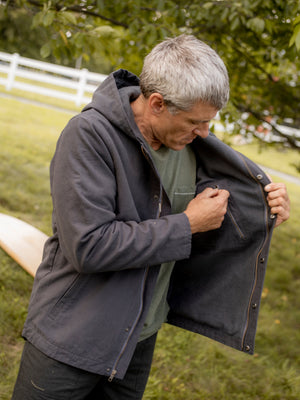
12	71
81	86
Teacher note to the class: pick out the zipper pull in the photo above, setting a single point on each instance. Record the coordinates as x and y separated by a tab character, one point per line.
159	208
112	375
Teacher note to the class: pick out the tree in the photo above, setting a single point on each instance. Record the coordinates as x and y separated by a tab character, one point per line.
259	41
16	36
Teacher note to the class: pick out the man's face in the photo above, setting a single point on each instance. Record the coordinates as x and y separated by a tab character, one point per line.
178	130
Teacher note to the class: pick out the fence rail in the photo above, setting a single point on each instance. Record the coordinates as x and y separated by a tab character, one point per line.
80	83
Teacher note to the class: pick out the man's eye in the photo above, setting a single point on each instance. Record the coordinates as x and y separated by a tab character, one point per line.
200	122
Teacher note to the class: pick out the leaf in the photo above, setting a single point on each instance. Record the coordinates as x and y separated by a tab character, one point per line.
208	5
296	20
269	26
45	50
151	37
160	5
69	17
48	18
295	39
134	27
57	53
78	40
86	57
235	23
64	37
256	24
105	31
37	19
224	14
100	4
297	42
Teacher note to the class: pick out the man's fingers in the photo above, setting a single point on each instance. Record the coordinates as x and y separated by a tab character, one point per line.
275	187
213	192
208	193
279	201
206	211
224	193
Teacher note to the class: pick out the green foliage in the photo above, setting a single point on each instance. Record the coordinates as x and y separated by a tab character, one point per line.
16	35
258	40
295	39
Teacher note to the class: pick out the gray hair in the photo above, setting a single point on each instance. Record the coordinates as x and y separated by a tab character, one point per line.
184	70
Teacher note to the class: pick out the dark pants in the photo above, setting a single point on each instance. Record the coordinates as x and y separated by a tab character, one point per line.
42	378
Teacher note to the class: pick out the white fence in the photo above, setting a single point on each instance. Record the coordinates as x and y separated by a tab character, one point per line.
79	82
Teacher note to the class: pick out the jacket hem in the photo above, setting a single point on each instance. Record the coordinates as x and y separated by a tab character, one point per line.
62	355
211	333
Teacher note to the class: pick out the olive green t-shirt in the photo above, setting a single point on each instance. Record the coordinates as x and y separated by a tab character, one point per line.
177	170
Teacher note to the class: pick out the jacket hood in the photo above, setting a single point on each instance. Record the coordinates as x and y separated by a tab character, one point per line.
112	99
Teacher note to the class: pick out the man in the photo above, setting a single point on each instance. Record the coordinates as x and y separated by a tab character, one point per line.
138	183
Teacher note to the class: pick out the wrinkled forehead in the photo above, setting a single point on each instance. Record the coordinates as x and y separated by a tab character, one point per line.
200	112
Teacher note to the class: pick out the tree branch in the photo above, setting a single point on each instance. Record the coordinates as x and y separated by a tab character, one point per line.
290	140
251	61
81	10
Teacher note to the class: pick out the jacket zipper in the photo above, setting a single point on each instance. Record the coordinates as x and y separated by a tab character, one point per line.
114	369
239	231
242	236
256	264
252	293
148	158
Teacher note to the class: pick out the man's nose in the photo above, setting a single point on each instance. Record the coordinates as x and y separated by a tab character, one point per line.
203	131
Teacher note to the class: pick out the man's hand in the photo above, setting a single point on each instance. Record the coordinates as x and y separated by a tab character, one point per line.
207	210
278	201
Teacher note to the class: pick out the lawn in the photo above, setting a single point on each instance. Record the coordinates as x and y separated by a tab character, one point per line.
186	365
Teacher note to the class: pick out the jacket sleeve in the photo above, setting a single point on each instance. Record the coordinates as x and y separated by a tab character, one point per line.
84	192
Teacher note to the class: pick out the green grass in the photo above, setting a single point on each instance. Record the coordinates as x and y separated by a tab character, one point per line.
269	155
186	365
28	137
280	159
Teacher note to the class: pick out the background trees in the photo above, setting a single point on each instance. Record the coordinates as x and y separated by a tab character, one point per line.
259	40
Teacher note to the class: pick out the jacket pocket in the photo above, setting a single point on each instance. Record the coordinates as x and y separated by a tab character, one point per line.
232	222
69	295
49	256
233	214
181	197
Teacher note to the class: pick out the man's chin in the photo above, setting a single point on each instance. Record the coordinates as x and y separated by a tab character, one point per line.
178	147
182	145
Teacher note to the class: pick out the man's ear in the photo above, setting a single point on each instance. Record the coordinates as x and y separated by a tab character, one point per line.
156	103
